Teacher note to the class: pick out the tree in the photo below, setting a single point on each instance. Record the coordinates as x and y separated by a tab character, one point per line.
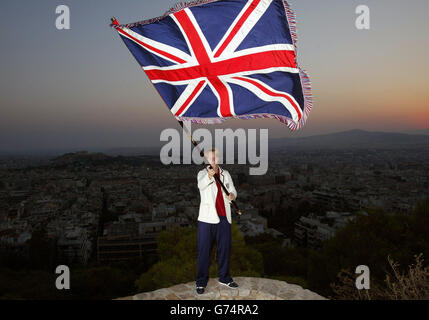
177	249
101	282
368	241
42	250
278	260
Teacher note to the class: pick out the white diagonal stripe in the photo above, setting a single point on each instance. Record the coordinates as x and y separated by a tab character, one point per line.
247	26
263	71
172	67
263	96
230	96
185	95
185	36
231	27
200	33
158	45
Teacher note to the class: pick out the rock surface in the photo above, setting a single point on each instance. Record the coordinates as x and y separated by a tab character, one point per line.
249	289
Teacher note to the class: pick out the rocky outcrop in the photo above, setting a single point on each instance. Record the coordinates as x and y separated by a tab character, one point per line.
249	289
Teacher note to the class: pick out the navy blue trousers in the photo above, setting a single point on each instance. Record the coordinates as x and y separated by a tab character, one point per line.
207	232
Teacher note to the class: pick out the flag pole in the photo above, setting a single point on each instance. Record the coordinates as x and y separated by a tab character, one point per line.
237	209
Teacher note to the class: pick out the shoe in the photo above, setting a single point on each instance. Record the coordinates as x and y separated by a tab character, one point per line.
231	284
200	290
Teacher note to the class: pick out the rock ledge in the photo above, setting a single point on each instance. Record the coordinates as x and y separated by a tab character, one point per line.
249	289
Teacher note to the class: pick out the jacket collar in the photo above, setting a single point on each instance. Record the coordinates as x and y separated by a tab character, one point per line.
221	176
221	173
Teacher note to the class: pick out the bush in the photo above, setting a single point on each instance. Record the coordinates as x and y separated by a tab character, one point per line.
411	285
177	250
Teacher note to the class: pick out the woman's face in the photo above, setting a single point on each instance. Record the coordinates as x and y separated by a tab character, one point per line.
212	158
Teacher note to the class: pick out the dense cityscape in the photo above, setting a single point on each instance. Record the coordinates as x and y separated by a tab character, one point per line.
102	208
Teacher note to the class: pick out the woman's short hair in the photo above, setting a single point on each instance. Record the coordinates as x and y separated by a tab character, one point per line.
214	150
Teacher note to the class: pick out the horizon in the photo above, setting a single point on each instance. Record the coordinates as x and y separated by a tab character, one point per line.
82	89
95	149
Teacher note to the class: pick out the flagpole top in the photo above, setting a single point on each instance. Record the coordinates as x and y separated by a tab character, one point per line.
114	21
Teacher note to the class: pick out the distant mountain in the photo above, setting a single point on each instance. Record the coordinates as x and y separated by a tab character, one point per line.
355	139
85	156
421	131
97	158
133	151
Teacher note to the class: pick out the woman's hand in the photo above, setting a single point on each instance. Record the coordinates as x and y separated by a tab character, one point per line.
211	172
231	197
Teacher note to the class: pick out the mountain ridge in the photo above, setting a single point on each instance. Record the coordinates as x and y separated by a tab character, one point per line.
348	139
355	138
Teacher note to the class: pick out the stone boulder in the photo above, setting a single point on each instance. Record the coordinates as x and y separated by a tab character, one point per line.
249	289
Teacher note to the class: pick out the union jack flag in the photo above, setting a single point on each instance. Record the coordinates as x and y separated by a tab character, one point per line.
216	59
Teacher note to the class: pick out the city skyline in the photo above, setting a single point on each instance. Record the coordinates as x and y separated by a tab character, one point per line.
80	88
